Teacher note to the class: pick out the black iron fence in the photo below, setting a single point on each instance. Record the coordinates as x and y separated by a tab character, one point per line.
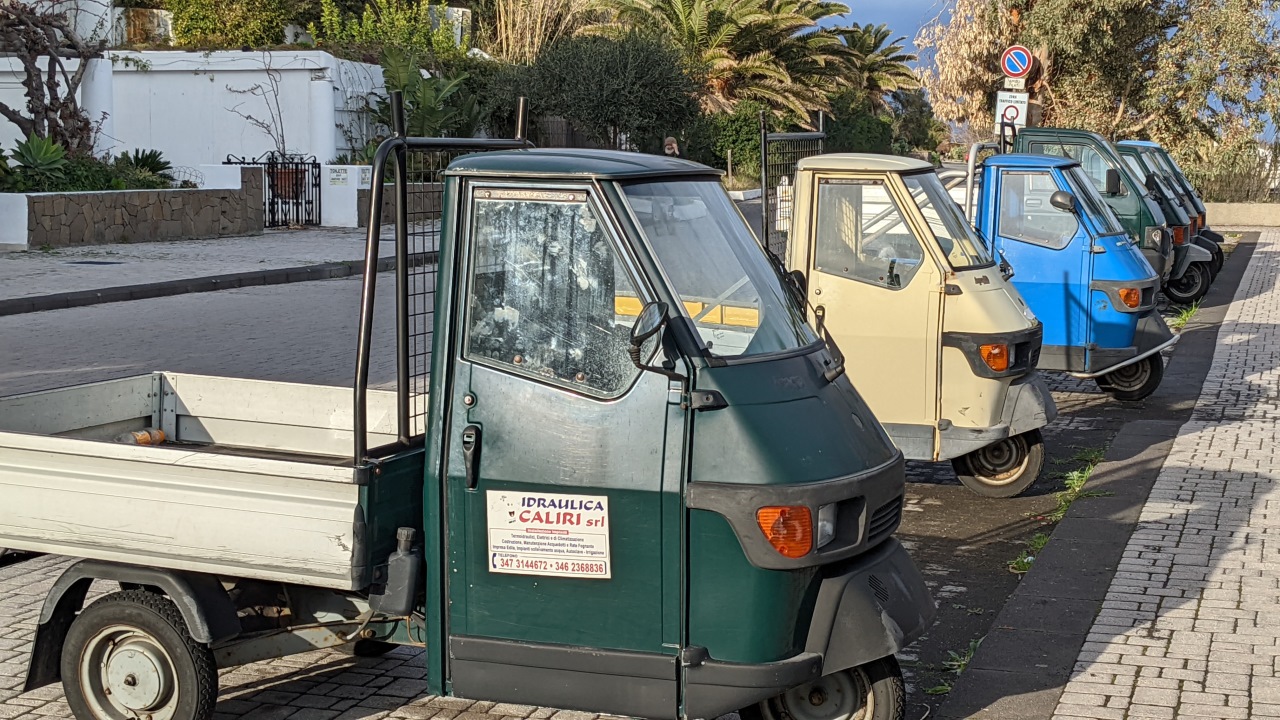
291	190
779	155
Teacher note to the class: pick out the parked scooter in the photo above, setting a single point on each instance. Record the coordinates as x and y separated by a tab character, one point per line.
1081	274
942	347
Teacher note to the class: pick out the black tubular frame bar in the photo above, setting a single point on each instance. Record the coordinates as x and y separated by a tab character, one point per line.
397	148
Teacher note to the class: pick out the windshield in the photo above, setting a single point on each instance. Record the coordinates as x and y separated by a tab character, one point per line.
1103	216
1158	173
727	285
954	234
1174	199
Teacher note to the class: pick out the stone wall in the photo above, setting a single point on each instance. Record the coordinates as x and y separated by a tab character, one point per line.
424	198
1243	214
92	218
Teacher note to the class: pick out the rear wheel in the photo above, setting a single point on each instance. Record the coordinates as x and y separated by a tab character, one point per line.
371	648
1193	285
1004	469
129	655
874	691
1134	382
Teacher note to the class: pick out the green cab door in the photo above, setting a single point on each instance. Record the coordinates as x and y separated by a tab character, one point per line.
563	559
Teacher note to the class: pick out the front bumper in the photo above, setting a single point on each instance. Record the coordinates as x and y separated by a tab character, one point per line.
1151	336
1028	405
868	607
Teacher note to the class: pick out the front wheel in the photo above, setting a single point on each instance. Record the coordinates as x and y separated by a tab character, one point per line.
1003	469
130	655
1134	382
874	691
1193	285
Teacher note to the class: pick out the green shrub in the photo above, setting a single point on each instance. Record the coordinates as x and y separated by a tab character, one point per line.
632	86
229	23
415	27
856	127
40	165
434	106
151	161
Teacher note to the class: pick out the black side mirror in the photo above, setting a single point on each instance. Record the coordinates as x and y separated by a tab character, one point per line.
653	317
1113	181
1063	200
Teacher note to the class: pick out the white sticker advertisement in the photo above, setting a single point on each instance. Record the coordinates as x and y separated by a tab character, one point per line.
548	534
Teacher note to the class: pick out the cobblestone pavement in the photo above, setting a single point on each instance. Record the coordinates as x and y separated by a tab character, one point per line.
1190	624
36	272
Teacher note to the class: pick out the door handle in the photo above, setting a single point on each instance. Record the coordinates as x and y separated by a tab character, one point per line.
471	435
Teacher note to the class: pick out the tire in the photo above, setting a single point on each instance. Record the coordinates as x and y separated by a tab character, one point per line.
1134	382
136	645
874	691
371	648
1193	285
1004	469
1219	258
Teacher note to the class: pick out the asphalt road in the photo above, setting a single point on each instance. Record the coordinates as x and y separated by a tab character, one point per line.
306	333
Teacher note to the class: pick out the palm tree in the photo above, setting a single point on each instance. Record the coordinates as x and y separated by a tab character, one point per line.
769	51
881	65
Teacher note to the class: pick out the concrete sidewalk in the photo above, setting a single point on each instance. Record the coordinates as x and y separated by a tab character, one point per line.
68	277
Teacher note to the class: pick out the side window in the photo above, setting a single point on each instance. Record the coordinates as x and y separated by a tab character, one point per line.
549	297
1094	165
1027	215
862	235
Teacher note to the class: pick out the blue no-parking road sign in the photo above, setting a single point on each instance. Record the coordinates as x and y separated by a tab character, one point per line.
1016	62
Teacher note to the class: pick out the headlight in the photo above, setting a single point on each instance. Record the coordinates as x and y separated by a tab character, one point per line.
826	524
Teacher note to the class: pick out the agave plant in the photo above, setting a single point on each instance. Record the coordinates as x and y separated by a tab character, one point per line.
40	156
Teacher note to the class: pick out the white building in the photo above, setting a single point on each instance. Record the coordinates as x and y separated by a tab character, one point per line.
196	107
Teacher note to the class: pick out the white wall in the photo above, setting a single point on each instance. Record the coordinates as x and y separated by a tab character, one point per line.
181	103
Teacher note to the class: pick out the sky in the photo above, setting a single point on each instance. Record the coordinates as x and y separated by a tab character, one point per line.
904	17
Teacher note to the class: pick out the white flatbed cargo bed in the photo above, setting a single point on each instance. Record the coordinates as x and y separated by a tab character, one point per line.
256	479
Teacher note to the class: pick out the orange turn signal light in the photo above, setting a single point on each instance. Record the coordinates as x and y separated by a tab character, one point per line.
1131	297
789	529
1180	235
996	357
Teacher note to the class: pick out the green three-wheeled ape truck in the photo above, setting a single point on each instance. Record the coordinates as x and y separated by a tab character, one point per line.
618	472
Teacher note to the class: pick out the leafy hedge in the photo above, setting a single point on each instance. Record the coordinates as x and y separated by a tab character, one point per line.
230	23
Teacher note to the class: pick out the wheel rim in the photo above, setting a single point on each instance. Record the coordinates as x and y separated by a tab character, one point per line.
839	696
1188	284
127	674
1130	377
1001	463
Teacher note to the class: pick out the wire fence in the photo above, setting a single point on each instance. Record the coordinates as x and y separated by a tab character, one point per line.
780	153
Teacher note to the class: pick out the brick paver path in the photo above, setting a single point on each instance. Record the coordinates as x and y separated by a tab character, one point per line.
320	685
1190	624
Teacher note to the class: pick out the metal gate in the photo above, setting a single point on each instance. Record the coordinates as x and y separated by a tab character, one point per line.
415	168
291	188
779	155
